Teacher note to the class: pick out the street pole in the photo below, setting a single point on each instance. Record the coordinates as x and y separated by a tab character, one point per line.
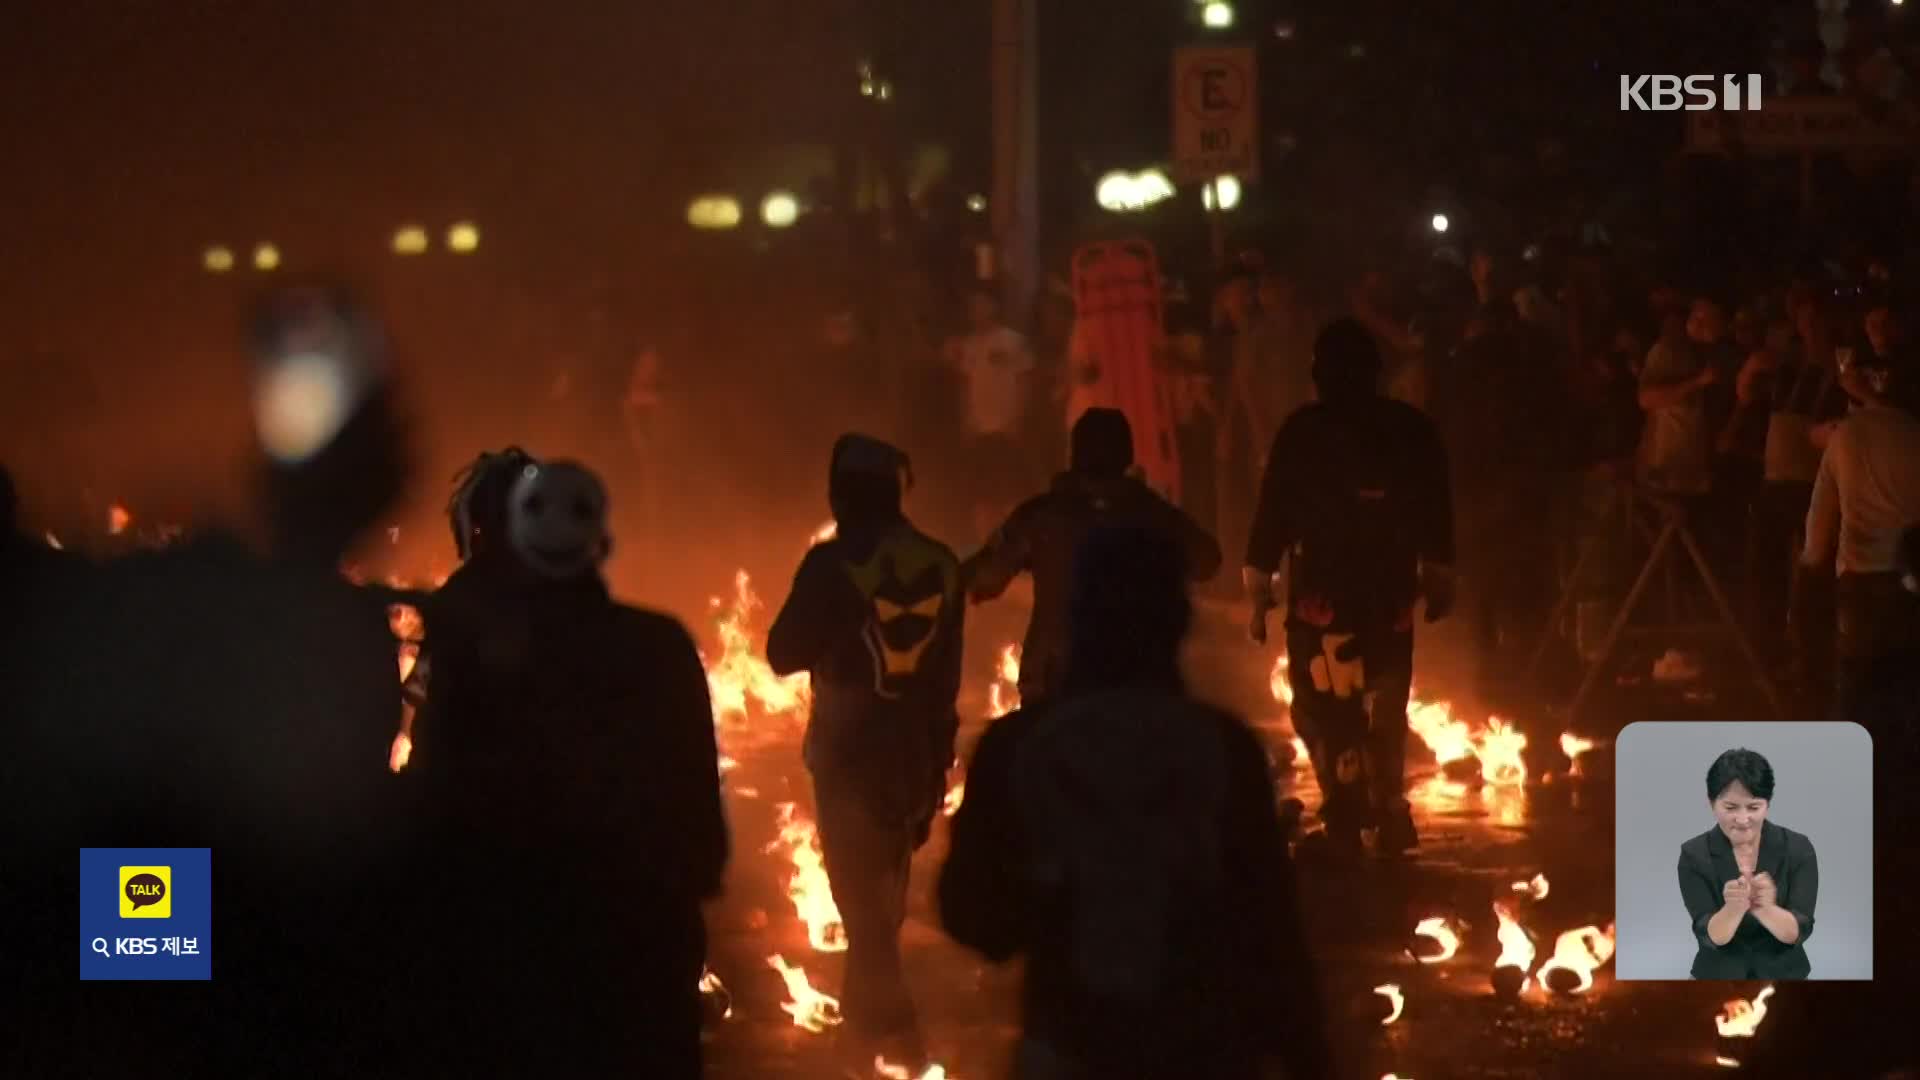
1015	204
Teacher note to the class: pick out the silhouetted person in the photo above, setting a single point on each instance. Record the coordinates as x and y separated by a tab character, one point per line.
209	695
569	775
1356	499
1045	531
1123	839
875	617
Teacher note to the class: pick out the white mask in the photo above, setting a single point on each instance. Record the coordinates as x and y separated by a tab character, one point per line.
557	519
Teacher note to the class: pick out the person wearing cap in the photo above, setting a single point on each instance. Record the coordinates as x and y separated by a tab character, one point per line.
1357	501
875	618
1866	496
1043	534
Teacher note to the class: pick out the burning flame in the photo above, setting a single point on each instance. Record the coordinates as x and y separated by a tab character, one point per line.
1516	948
1499	753
1436	928
956	795
118	519
1537	888
811	1010
400	752
823	534
1450	739
1391	991
1003	696
1301	758
738	675
884	1068
1280	681
808	887
711	985
1573	746
1739	1019
1580	951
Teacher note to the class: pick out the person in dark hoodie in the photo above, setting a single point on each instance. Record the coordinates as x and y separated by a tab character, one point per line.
1123	839
215	695
566	757
1356	500
875	617
1043	533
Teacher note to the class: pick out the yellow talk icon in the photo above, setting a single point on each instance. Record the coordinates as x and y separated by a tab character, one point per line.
146	892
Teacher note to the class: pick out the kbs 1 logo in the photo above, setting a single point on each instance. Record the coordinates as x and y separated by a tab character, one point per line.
1694	93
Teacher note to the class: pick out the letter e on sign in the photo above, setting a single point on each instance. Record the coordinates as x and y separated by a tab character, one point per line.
1216	129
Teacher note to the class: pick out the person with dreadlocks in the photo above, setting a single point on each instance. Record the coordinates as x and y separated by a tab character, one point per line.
1356	500
874	615
569	788
484	581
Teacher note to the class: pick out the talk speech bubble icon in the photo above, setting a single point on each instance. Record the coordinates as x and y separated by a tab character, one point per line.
145	889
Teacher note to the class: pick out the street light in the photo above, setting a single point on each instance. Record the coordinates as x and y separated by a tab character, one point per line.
977	203
265	256
1441	224
714	212
463	237
1217	15
217	260
779	210
1222	194
1124	192
409	240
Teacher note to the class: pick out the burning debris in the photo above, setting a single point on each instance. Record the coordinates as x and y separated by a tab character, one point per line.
1003	696
1280	681
1535	889
1739	1019
1492	756
811	1010
956	795
716	993
118	519
1510	976
1573	746
1575	957
807	886
1395	999
1444	941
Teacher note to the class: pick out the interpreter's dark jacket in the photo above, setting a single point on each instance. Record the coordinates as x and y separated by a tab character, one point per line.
1707	864
1040	538
1358	491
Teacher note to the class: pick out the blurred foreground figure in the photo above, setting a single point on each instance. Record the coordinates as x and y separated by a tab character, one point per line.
210	695
1044	532
875	617
567	772
1356	499
1123	839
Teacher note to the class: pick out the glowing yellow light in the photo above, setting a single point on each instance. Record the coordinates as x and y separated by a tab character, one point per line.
1441	224
779	210
714	212
1221	195
463	237
410	240
217	260
977	203
265	256
1217	15
1122	192
867	88
885	91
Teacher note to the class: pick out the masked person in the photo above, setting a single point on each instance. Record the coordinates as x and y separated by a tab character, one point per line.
215	695
874	616
1123	838
1356	501
566	758
1042	535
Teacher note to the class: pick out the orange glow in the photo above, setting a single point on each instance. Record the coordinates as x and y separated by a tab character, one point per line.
739	676
1740	1018
1573	746
1537	888
1280	681
887	1070
711	985
1003	695
118	519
